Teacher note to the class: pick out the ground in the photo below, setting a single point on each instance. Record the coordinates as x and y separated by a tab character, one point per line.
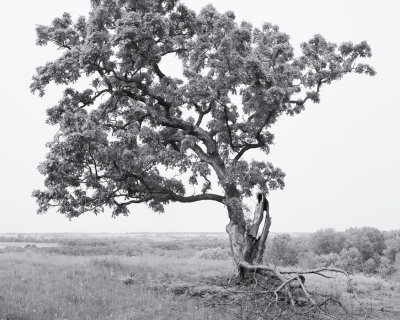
136	277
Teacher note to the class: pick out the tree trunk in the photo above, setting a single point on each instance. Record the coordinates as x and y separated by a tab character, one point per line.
248	252
245	245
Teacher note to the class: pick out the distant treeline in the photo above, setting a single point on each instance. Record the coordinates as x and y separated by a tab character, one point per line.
366	249
162	244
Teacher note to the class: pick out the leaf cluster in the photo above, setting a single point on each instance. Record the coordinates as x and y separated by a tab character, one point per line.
120	139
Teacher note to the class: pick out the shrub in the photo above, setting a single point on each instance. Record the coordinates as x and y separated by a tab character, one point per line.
282	251
371	266
168	246
326	241
351	260
329	260
107	263
369	241
386	267
308	260
392	247
213	254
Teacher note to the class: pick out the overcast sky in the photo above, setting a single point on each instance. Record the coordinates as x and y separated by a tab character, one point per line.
341	156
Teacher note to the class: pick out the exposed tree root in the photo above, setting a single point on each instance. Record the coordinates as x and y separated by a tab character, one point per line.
289	287
277	290
262	295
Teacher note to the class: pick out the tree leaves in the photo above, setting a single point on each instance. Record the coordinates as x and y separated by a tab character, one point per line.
138	135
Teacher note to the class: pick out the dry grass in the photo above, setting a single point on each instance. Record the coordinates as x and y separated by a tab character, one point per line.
39	286
380	298
46	284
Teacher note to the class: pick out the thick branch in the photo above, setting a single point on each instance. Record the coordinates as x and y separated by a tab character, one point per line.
198	197
202	113
265	267
158	71
170	196
229	129
260	142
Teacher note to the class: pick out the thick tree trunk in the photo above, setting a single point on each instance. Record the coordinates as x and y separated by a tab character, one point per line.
248	251
245	243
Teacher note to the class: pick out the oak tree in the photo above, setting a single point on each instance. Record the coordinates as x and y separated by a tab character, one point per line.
136	134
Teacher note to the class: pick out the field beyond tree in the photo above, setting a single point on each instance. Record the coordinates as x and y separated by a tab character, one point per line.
187	276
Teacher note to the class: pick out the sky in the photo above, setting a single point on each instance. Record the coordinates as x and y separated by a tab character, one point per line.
341	156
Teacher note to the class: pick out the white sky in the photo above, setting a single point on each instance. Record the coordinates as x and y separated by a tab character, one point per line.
341	157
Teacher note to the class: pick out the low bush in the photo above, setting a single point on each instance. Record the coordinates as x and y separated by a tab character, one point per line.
308	260
351	260
386	267
213	254
329	260
282	251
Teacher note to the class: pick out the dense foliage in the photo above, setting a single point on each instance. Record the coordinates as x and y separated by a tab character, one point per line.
138	135
366	249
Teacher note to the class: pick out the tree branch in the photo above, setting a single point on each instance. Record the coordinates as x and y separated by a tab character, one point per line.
202	113
229	129
158	71
260	142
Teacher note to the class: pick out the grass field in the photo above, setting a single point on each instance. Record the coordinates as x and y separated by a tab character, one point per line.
83	278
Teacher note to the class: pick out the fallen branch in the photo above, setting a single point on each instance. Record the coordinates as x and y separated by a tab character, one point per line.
287	285
317	271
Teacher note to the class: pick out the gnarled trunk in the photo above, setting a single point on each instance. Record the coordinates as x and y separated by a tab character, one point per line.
245	243
248	250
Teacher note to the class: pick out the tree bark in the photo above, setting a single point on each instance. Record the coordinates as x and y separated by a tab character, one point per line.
248	252
247	248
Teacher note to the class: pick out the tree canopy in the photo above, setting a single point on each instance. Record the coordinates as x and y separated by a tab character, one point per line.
138	135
